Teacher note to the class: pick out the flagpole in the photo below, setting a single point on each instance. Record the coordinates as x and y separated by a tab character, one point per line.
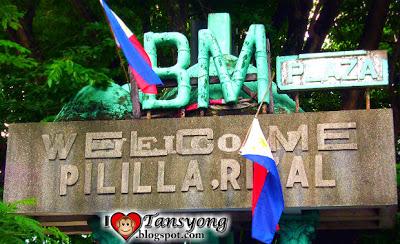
116	48
263	98
134	97
258	111
130	80
271	106
269	89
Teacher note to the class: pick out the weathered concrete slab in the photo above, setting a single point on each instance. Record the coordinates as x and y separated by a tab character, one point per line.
326	160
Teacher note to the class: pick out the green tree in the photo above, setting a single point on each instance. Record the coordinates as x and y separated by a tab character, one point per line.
16	228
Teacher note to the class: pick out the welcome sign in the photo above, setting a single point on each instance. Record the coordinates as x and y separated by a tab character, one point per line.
328	159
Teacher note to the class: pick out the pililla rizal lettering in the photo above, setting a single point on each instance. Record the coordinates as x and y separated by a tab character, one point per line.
192	142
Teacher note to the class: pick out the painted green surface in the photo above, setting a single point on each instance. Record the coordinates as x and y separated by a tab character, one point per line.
114	101
283	103
93	103
220	25
214	60
231	84
177	71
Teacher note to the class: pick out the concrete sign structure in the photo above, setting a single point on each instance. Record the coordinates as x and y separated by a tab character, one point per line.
332	70
336	168
326	160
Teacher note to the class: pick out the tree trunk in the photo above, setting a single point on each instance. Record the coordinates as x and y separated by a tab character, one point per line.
320	28
178	13
298	20
82	10
145	15
352	99
183	16
202	9
281	13
24	35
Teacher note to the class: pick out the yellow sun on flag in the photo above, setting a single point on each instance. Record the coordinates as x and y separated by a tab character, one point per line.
261	145
262	142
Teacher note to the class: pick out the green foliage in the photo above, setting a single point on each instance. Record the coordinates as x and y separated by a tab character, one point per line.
58	70
13	54
9	16
16	228
320	101
35	87
348	26
398	152
398	173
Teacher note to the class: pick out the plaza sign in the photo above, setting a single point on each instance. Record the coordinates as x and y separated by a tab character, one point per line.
332	70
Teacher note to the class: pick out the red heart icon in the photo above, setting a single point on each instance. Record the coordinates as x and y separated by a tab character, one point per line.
126	225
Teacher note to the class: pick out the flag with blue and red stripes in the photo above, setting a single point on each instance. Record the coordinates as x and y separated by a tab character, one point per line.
267	196
138	60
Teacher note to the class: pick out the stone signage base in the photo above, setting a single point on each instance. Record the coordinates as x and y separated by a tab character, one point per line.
341	164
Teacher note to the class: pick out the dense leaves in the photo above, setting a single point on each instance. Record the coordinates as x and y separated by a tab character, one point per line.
10	16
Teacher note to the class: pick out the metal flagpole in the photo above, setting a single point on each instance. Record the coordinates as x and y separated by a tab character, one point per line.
271	97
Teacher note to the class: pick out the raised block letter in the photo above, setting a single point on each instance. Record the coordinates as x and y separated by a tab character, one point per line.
178	71
58	146
231	85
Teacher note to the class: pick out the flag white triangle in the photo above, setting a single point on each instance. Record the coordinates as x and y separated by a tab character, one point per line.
255	143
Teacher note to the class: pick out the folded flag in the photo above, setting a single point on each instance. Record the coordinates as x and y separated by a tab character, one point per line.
139	62
267	197
195	106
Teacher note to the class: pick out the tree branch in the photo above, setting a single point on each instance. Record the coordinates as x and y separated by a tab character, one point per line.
298	20
319	28
281	13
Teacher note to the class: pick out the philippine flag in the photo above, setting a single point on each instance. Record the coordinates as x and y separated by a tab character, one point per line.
267	197
139	62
